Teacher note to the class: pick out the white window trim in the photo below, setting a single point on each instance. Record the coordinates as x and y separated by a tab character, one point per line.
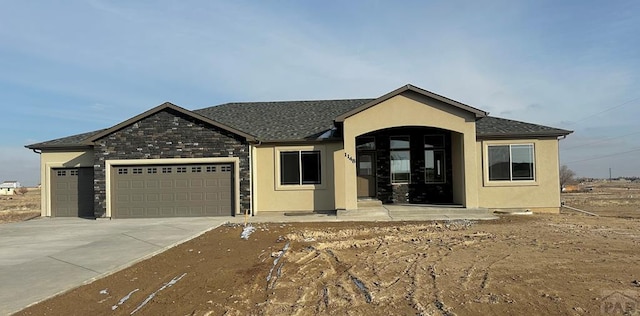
496	183
297	187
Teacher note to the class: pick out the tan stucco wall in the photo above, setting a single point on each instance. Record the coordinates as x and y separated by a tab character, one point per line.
59	159
410	109
541	195
270	196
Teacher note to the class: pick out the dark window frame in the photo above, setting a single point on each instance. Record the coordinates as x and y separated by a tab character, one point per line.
300	167
510	171
435	149
399	151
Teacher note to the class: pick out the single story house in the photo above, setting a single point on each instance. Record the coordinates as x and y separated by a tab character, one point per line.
407	146
9	187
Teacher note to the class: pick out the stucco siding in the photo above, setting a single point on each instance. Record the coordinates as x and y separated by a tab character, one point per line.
272	196
410	109
540	195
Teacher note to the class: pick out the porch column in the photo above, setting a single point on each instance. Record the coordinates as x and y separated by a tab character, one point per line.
471	172
349	160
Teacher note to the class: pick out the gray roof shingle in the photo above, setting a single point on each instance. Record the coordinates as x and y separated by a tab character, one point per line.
490	126
281	121
66	142
307	120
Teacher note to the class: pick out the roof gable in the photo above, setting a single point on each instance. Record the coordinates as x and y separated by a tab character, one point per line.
477	112
163	107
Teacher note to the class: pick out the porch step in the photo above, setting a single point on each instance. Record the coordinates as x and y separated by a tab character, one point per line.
366	203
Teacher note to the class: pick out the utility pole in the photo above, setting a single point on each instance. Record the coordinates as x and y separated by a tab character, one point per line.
609	174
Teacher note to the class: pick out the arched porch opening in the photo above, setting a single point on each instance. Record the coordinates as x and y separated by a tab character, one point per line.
411	165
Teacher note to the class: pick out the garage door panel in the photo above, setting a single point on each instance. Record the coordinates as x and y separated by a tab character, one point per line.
124	185
182	183
166	184
151	184
167	197
137	184
152	197
173	190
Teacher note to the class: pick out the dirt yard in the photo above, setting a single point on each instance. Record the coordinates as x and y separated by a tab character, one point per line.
567	264
16	208
618	199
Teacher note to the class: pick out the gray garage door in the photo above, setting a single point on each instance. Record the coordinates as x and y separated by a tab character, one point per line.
72	192
172	190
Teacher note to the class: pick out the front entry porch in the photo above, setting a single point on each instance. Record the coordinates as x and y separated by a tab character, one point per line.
407	165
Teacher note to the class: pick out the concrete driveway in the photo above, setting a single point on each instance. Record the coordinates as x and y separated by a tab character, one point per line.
46	256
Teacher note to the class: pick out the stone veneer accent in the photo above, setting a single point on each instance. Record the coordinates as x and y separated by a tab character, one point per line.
168	134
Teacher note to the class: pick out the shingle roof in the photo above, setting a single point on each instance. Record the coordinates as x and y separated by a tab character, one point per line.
307	120
66	142
280	121
496	127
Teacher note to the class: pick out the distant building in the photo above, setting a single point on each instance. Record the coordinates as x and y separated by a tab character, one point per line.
9	187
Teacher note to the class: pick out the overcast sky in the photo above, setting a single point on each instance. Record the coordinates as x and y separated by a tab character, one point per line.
68	67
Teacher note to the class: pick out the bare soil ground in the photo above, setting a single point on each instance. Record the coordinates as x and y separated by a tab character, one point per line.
567	264
617	199
17	208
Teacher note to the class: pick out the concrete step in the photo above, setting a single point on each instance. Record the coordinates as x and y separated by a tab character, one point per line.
367	203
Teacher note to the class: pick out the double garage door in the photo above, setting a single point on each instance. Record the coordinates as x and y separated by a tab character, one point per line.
187	190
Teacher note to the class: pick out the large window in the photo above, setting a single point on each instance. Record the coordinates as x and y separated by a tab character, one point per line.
434	159
511	162
400	159
299	167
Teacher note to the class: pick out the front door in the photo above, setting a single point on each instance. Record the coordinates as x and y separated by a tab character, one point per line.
366	174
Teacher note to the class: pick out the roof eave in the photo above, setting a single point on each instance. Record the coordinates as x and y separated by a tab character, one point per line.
298	141
62	146
522	135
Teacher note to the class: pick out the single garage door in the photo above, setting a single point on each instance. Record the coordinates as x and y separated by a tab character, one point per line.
172	190
72	192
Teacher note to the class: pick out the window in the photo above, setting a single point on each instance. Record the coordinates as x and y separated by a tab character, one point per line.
73	172
511	162
225	168
400	159
434	159
211	169
365	143
123	171
181	169
61	173
300	167
166	169
152	170
137	170
196	169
